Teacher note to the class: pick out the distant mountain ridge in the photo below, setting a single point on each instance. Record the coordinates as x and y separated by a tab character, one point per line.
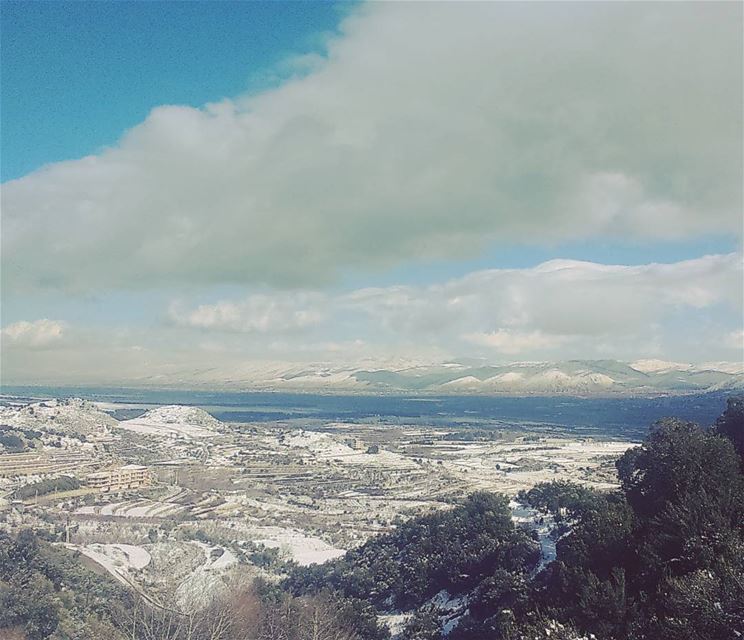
469	377
574	376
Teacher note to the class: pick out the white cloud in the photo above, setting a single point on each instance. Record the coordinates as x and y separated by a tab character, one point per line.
259	313
428	131
37	334
560	303
561	309
735	340
514	342
559	298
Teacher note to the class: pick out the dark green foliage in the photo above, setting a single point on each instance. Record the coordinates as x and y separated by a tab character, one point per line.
43	487
423	625
452	550
703	603
12	442
473	435
502	590
662	559
30	434
553	497
17	439
677	460
501	623
43	588
731	424
265	557
540	627
361	617
599	540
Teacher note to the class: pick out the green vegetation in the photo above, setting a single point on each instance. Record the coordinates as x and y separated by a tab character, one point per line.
729	425
451	550
473	435
12	442
18	440
45	592
562	497
252	552
663	557
43	487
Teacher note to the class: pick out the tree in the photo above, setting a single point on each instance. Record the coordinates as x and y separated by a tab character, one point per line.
502	590
676	460
318	620
731	424
423	625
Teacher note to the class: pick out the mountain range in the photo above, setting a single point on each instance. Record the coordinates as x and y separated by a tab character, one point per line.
470	377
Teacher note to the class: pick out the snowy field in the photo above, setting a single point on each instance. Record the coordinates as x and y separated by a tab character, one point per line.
303	549
327	447
117	559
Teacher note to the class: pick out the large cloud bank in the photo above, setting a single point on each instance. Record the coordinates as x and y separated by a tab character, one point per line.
560	309
428	130
582	306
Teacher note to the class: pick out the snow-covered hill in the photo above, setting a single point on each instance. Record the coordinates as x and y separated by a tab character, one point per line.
174	421
71	416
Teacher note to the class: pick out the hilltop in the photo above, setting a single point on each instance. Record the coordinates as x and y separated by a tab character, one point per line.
71	416
186	422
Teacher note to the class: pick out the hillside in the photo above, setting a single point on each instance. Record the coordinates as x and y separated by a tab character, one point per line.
663	557
71	416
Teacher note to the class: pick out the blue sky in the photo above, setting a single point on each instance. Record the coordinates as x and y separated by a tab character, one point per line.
75	75
232	182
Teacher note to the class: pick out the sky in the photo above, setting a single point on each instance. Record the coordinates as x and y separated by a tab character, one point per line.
191	186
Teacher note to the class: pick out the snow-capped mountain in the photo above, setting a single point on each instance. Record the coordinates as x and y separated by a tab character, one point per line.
575	376
470	376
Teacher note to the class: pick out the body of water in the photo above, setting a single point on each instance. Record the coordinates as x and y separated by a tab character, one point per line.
618	415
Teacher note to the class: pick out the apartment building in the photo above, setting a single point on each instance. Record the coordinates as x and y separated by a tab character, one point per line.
129	476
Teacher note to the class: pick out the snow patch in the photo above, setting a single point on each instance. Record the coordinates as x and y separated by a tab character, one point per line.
304	550
117	559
